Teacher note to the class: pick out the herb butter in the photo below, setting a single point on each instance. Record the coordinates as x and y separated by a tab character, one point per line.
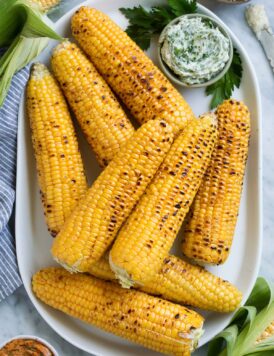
195	49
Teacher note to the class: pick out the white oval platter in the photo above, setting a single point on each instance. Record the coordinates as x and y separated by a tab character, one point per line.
32	238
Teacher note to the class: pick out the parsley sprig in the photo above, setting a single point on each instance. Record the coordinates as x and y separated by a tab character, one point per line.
224	87
145	23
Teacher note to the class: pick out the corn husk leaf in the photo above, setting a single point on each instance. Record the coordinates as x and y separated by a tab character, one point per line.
11	22
23	51
25	29
248	323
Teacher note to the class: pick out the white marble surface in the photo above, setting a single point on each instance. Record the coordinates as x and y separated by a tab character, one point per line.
17	315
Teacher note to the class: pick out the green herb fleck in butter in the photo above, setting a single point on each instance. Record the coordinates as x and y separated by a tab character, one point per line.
195	50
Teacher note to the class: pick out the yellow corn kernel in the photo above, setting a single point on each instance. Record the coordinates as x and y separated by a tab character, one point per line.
98	112
183	283
93	225
130	73
268	332
59	164
152	322
147	236
209	232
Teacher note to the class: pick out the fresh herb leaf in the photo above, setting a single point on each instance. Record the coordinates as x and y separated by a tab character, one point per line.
144	23
224	87
141	37
182	7
138	15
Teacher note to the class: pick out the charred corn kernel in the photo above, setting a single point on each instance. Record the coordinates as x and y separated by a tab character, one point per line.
131	74
59	164
269	332
147	236
101	117
46	5
93	225
188	284
184	283
209	232
152	322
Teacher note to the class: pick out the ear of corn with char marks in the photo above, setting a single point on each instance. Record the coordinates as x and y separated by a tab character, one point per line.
153	322
131	74
101	117
148	234
59	164
184	283
209	232
93	225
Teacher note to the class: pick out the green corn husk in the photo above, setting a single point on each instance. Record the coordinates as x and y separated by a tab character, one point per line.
249	322
25	33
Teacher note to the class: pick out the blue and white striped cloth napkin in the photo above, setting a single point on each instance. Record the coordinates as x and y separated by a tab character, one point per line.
9	274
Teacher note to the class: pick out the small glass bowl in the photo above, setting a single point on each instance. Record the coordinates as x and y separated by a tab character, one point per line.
31	337
173	76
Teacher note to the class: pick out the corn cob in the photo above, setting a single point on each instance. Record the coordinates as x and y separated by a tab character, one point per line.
60	168
209	232
183	283
130	73
46	5
146	320
147	236
101	117
94	223
269	332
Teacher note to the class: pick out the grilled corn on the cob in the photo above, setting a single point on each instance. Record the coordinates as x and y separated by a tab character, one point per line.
101	117
184	283
147	236
209	232
130	73
94	223
153	322
60	168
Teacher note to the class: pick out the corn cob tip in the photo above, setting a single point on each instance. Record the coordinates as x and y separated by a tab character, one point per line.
39	70
196	335
121	274
61	46
70	269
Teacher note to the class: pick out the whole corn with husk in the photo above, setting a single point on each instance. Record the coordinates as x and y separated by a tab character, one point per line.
59	164
183	283
209	232
268	333
142	87
98	112
24	33
93	225
46	5
147	236
152	322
